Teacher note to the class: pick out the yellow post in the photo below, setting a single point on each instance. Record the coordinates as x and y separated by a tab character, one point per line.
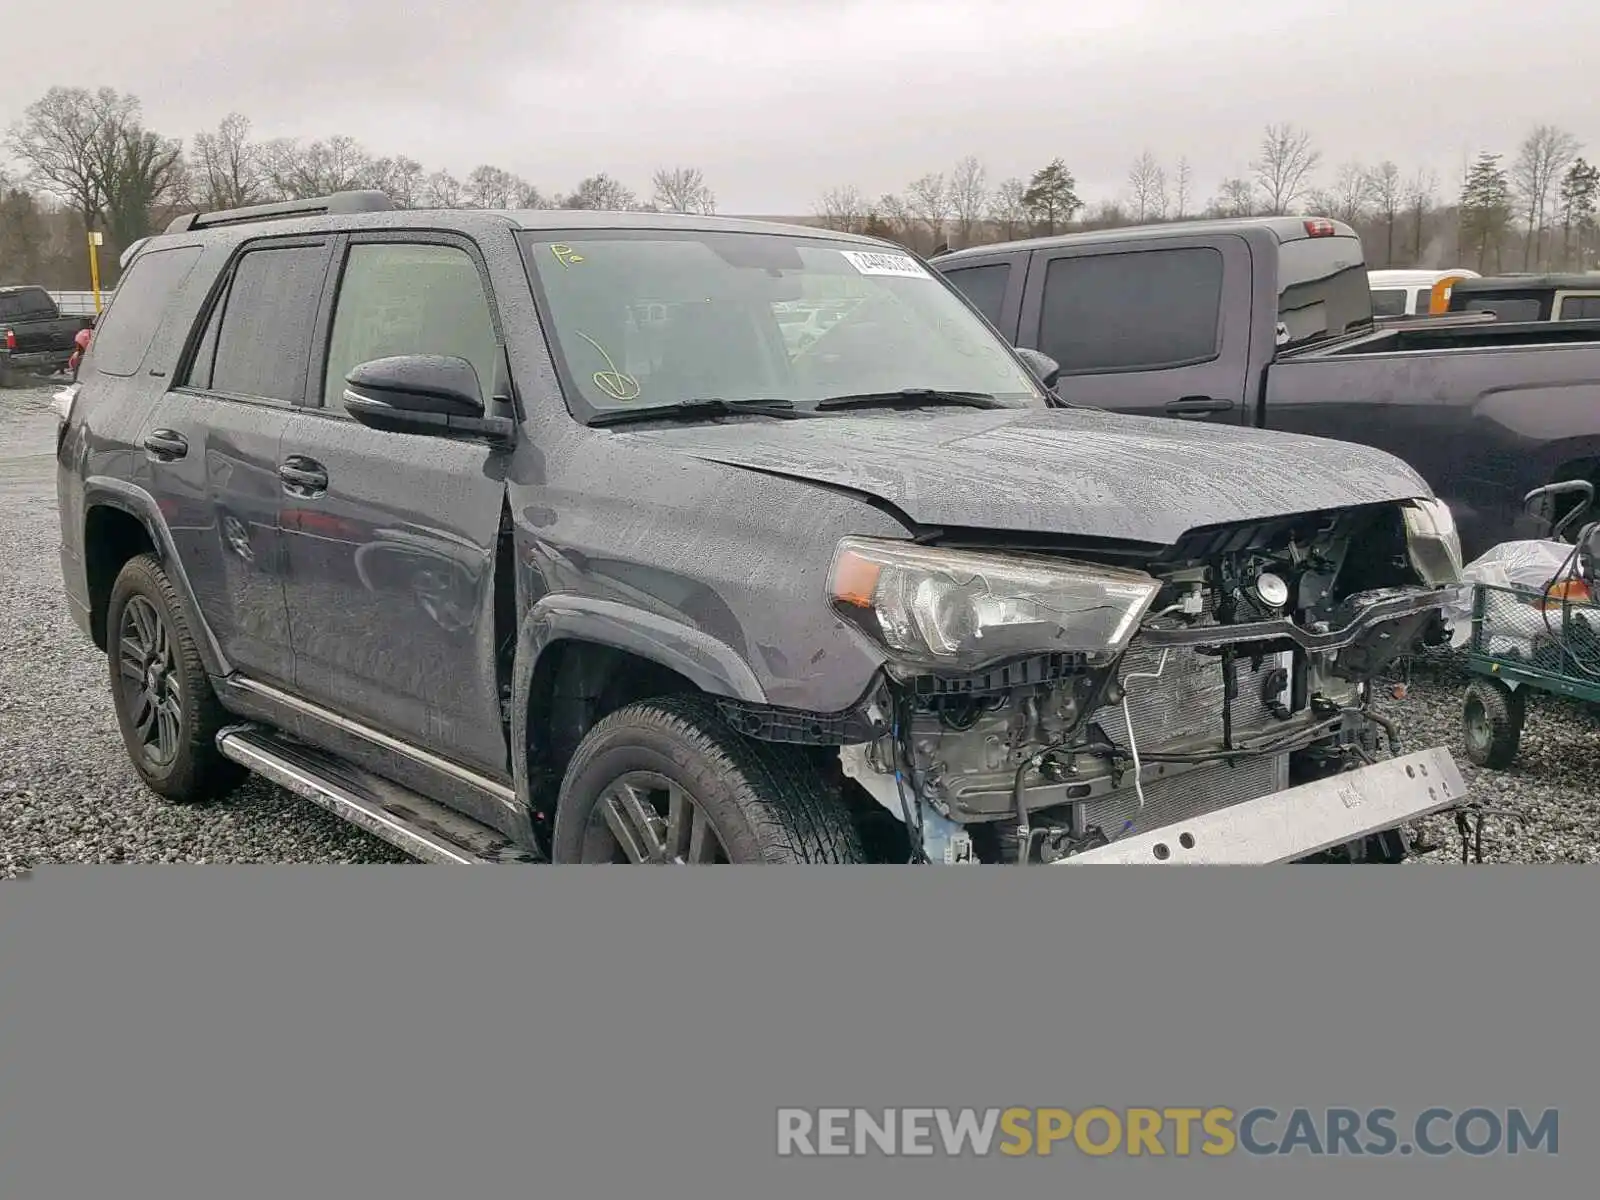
95	238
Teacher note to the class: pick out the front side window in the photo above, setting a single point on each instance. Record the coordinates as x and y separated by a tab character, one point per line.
416	298
659	318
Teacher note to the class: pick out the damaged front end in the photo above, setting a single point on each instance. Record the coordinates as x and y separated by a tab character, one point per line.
1213	705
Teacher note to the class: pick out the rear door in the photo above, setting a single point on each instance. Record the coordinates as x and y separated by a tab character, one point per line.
1147	328
212	442
391	537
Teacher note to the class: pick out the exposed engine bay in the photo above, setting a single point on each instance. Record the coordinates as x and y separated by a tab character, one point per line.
1250	673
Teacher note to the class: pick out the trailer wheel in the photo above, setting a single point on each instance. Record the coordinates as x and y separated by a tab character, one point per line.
1492	720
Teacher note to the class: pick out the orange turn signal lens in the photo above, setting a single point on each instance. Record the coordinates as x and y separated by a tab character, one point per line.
855	579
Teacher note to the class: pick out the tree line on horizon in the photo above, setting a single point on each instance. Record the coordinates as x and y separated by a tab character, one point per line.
84	159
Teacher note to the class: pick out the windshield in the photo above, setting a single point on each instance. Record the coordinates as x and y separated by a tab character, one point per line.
649	318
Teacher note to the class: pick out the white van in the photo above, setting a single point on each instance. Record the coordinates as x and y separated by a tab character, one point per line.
1407	293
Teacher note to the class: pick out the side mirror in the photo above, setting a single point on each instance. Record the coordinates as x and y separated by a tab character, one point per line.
421	393
1542	504
1046	368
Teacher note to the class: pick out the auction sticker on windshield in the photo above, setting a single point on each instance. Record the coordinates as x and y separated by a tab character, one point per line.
874	263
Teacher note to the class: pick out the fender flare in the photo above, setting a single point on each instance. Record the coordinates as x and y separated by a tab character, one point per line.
711	665
99	491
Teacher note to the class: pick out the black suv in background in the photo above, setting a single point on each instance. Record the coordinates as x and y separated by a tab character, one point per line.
520	536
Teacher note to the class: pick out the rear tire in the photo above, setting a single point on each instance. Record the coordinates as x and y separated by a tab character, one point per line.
668	781
167	712
1492	718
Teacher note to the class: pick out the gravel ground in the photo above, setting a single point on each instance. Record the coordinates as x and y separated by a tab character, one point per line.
67	793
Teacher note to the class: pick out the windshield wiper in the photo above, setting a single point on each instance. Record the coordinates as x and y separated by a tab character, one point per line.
911	397
697	410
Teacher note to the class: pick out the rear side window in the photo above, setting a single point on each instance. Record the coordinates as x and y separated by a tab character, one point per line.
26	304
985	286
1143	310
1580	308
263	337
1389	302
123	335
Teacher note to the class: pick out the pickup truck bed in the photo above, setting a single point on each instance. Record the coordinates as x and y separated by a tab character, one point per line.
34	337
1268	322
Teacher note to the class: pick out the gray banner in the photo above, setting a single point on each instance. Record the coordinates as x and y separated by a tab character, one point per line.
283	1031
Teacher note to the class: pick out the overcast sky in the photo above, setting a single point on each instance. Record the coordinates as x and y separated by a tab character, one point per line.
778	101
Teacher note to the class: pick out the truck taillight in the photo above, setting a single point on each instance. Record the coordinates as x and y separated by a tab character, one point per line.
11	339
1320	227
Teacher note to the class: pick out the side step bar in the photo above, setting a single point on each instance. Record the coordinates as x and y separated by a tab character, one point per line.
424	829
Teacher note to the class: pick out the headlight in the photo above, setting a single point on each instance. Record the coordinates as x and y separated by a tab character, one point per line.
965	610
1432	542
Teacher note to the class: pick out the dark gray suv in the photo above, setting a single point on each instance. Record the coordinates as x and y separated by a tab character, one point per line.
599	537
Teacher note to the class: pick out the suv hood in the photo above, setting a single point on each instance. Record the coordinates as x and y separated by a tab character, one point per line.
1064	471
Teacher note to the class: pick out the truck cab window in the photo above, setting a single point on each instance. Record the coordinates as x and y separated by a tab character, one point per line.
1137	311
1389	302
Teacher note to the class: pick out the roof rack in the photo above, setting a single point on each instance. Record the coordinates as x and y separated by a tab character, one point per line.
337	204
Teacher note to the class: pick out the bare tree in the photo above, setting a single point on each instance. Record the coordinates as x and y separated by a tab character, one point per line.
1235	198
601	193
492	187
683	190
532	197
842	208
443	190
1183	184
929	200
1283	170
1348	198
1008	209
1147	187
60	137
227	165
1542	159
296	172
1386	192
969	194
1420	188
895	214
401	179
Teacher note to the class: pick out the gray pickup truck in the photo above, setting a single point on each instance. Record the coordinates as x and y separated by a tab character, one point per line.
544	535
35	339
1268	322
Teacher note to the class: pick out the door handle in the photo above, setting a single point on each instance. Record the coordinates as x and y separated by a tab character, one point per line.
303	475
166	445
1197	406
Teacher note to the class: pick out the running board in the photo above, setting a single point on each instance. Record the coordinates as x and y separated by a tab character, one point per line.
423	828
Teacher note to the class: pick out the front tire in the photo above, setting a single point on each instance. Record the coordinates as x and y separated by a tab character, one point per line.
166	710
1492	718
668	781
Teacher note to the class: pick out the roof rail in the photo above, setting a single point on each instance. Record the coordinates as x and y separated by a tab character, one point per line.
333	205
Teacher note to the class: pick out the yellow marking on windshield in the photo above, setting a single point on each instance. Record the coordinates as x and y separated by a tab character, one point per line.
565	254
614	383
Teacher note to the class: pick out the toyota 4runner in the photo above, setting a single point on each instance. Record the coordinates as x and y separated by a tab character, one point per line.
530	536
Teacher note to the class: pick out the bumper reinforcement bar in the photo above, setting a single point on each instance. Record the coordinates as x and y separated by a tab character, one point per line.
1299	821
